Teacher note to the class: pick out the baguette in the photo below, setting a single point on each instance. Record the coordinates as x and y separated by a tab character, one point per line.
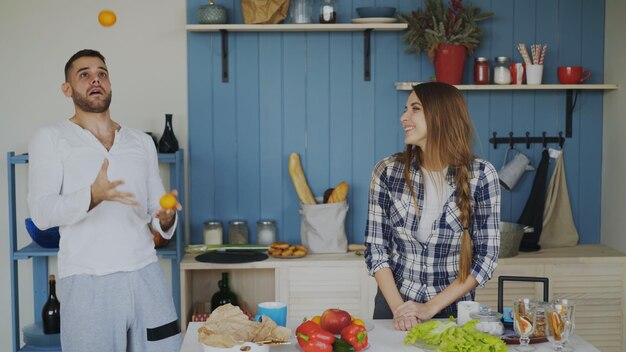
299	181
339	193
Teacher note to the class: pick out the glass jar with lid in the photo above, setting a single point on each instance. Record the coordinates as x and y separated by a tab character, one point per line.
265	232
213	232
501	72
488	322
328	11
481	70
237	232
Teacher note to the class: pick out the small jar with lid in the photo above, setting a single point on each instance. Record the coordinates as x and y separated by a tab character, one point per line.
328	11
265	232
213	232
481	70
488	322
501	72
237	232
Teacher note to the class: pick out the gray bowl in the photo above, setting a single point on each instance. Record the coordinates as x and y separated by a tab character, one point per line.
511	237
376	11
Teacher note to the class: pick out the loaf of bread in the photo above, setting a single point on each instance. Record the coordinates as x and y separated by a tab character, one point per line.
299	181
339	193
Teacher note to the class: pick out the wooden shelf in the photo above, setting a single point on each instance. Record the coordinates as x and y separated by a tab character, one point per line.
408	85
366	28
336	27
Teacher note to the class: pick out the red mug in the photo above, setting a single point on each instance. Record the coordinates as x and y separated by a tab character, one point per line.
572	74
518	73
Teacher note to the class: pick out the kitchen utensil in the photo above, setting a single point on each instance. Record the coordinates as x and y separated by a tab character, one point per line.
511	172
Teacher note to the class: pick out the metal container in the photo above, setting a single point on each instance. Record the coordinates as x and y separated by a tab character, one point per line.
511	238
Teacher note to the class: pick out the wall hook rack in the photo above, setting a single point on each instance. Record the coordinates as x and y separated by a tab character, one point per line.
511	140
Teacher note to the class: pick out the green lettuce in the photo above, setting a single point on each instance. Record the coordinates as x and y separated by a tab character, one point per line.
446	336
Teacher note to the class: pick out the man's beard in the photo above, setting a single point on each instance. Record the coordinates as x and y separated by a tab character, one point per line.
86	105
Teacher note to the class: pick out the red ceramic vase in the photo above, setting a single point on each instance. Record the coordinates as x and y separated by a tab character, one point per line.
449	63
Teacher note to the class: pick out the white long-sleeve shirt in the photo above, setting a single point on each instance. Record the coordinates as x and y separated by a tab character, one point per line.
64	160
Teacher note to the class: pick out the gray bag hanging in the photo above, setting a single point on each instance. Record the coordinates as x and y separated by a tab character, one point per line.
322	227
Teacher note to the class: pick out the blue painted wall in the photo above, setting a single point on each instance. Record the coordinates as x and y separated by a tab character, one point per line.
305	93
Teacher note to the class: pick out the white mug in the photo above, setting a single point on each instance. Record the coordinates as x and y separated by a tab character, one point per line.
463	311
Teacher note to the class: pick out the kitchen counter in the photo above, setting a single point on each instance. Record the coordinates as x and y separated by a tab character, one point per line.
382	338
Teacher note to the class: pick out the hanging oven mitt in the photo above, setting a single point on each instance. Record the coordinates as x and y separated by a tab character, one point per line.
532	215
559	229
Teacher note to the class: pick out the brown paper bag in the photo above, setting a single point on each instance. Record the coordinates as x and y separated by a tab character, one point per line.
264	11
559	229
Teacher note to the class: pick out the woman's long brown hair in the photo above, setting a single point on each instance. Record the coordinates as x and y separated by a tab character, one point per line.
449	142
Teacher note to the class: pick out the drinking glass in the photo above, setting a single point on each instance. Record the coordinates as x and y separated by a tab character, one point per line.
524	321
559	322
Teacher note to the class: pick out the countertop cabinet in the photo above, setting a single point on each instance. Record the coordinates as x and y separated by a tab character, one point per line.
594	276
39	255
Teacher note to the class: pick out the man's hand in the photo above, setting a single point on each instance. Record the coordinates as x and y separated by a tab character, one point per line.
166	216
102	189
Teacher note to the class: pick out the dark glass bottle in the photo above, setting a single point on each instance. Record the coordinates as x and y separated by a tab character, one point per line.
224	295
168	142
51	312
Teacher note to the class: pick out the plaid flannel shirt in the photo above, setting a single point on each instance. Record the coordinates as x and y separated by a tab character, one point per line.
423	269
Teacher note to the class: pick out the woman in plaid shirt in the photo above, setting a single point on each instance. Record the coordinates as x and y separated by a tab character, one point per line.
432	232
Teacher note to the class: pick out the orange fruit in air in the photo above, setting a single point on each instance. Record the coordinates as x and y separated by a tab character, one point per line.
107	18
168	201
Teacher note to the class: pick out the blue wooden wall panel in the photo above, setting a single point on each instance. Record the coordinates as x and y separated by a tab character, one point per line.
246	79
305	93
272	160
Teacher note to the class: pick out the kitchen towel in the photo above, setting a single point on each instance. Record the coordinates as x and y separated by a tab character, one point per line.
532	215
558	229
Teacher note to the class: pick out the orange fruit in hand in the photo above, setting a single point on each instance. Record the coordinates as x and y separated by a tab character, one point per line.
107	18
168	201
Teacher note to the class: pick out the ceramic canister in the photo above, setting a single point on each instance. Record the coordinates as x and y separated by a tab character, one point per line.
212	14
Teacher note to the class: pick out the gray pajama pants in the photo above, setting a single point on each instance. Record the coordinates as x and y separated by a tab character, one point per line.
121	312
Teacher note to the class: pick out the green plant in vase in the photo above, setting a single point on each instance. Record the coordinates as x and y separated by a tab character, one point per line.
446	33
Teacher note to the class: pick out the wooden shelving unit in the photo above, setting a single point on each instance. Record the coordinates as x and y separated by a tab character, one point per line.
367	28
408	85
570	103
335	27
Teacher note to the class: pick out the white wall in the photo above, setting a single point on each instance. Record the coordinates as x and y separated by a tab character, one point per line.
147	59
613	232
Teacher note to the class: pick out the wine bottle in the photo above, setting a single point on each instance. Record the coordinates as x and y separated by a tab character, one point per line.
168	142
224	295
51	312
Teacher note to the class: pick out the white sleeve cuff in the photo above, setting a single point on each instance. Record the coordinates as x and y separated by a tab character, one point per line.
156	225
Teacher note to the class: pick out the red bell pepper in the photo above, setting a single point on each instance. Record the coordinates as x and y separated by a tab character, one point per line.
355	335
312	338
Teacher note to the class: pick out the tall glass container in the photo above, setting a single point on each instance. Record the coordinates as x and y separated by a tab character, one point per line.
213	232
237	232
265	232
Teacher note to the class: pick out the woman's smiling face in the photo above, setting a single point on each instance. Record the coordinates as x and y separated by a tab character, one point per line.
414	122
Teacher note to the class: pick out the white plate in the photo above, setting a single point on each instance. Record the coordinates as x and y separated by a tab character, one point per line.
374	20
